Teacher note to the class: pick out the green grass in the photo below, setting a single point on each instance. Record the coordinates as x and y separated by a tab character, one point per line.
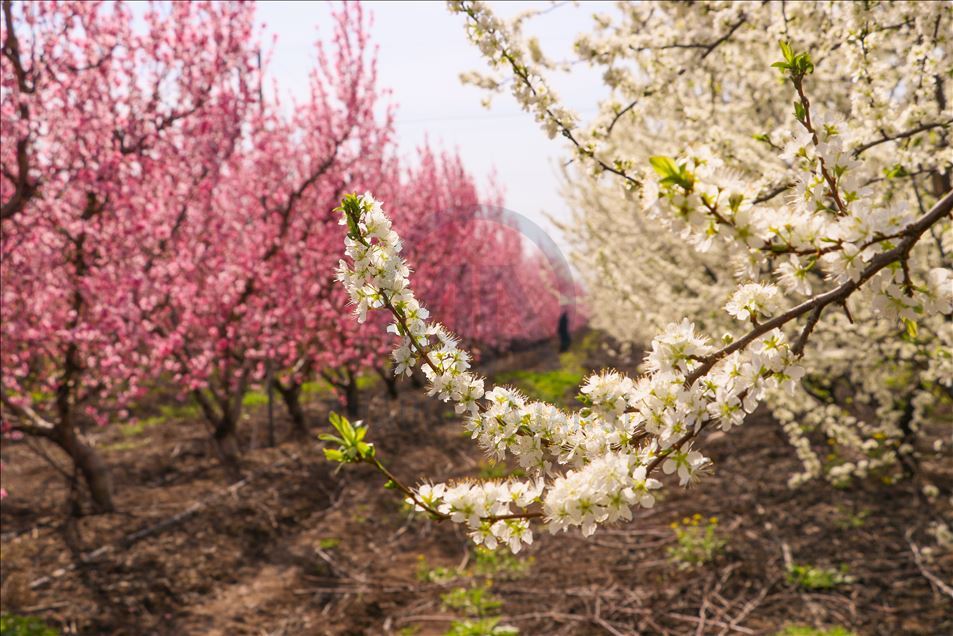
545	386
329	543
572	361
802	630
367	381
256	398
483	627
13	625
500	564
132	434
473	601
317	386
698	541
810	577
847	520
551	386
364	381
434	574
134	429
185	411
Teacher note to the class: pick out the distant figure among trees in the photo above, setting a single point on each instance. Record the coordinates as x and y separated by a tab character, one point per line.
565	340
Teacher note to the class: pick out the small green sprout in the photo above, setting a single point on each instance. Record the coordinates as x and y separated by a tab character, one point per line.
352	205
351	445
672	173
795	65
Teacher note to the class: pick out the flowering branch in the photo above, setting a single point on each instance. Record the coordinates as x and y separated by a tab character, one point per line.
596	464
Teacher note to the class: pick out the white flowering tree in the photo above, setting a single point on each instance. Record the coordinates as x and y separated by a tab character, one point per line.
864	247
691	81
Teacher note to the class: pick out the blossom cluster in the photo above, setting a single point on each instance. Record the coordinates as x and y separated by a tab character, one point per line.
177	229
749	214
586	467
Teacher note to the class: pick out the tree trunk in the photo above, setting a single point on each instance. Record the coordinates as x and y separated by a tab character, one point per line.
270	386
390	381
225	440
351	396
908	461
291	395
90	465
565	339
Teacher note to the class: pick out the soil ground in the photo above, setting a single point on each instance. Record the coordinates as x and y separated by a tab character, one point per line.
296	547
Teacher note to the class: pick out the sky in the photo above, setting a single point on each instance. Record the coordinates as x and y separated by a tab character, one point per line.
423	50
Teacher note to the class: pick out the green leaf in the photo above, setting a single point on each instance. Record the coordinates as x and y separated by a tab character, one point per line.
787	51
334	455
911	326
799	111
671	173
895	172
342	426
352	207
664	166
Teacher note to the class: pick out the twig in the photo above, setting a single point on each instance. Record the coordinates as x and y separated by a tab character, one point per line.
935	581
747	609
728	626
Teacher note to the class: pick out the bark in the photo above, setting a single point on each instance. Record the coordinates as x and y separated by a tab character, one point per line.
225	440
390	381
90	465
291	396
351	397
224	421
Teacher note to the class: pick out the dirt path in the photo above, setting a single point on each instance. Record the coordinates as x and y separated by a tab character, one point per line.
300	549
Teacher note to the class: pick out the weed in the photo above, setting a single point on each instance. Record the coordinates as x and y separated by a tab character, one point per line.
436	574
255	398
472	601
802	630
139	427
810	577
13	625
847	520
545	386
698	541
483	627
182	411
500	564
318	386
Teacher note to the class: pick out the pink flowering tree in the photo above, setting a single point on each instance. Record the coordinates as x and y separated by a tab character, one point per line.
107	130
236	267
870	251
321	342
477	272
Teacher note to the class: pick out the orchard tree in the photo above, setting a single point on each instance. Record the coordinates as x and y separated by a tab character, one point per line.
473	268
873	246
107	132
458	245
687	81
224	286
